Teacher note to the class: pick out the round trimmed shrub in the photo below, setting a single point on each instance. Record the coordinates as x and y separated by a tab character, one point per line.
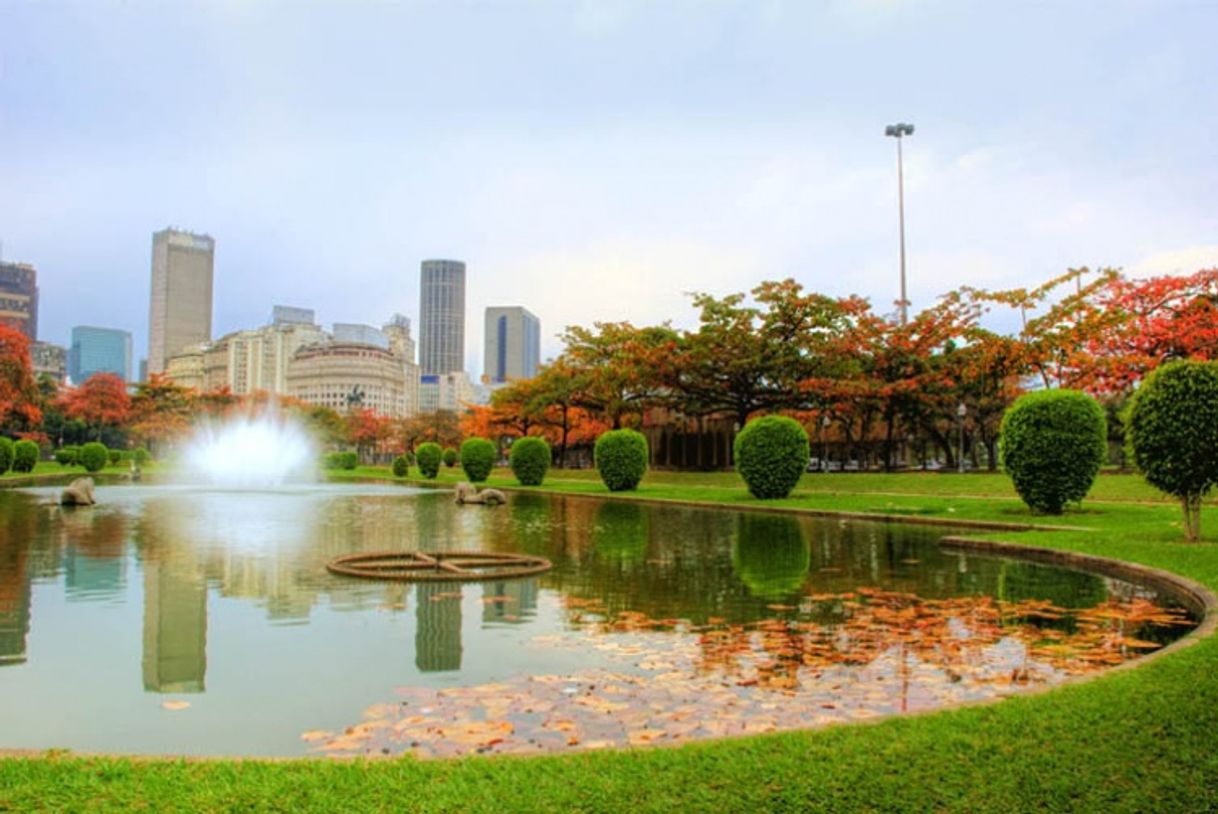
141	456
771	455
116	455
1173	433
6	454
530	458
348	460
621	458
93	456
450	457
1053	444
67	456
478	458
401	467
25	455
428	457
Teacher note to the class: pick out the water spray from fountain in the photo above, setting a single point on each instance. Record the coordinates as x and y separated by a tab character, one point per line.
261	451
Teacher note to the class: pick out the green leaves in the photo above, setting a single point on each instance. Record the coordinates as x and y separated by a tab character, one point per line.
1053	443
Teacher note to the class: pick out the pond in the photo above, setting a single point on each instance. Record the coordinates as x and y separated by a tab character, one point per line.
178	620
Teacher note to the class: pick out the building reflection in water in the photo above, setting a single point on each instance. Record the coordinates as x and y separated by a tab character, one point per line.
14	604
510	601
437	636
175	627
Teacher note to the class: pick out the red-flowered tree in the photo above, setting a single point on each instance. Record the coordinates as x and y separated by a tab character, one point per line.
19	395
101	401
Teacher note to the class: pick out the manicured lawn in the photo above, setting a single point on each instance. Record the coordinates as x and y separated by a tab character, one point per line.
1141	740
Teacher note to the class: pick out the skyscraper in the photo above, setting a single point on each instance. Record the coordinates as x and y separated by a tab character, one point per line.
513	344
19	298
180	314
99	350
442	317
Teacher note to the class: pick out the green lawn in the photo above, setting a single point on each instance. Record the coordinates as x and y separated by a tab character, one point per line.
1141	740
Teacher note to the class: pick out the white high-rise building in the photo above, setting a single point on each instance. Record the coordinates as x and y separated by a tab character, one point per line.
180	312
442	317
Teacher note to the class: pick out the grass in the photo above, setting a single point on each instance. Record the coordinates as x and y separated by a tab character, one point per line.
1135	740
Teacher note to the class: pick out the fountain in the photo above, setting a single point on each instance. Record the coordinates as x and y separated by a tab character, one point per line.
261	451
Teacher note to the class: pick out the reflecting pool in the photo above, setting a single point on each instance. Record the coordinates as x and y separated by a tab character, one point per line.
178	620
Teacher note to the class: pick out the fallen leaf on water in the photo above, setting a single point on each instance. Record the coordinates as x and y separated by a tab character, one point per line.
174	706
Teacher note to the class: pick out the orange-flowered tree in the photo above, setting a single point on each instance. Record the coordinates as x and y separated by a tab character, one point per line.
19	395
368	430
619	370
161	412
101	402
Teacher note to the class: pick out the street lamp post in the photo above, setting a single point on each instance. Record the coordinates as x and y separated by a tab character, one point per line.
824	443
961	412
899	131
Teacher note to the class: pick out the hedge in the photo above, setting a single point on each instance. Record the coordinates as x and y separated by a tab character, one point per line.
25	456
529	459
93	456
771	456
478	457
1053	444
401	467
621	458
428	457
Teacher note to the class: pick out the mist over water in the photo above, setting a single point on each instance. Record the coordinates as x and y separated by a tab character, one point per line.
252	452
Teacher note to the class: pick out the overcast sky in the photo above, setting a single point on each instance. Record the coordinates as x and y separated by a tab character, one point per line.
595	160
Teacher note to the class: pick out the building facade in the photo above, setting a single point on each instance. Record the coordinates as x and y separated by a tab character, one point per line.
347	375
99	350
441	317
448	391
290	315
245	362
19	298
183	265
47	359
512	343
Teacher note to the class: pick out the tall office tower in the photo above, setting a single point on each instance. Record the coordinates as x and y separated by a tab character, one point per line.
442	317
513	345
180	314
99	350
19	298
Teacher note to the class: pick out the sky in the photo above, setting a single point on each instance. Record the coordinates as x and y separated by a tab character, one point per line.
596	160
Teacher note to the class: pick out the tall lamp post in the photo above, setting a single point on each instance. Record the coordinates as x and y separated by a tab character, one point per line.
961	412
825	421
899	131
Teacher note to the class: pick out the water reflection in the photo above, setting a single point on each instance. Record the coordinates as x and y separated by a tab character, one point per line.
770	554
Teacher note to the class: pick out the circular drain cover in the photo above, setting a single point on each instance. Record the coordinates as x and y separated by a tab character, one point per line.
439	566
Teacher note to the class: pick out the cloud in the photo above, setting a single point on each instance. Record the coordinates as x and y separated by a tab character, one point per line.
1183	260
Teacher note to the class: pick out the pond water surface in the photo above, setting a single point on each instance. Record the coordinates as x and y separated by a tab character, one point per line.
173	620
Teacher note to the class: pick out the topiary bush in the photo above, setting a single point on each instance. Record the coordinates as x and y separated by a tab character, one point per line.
478	458
450	457
6	454
93	456
621	458
530	458
67	456
141	456
771	455
1053	444
428	457
348	460
1172	431
116	456
401	467
25	456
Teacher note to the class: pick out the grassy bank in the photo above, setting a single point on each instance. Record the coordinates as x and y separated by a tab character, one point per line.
1136	740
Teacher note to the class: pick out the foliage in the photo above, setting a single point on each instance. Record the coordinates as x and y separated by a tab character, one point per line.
7	454
93	456
530	458
25	456
619	370
1053	444
428	456
1173	433
450	457
771	455
367	429
401	467
141	456
116	455
342	460
101	401
621	458
67	455
770	554
478	457
19	394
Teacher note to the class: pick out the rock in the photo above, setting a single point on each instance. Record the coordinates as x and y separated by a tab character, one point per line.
468	493
78	493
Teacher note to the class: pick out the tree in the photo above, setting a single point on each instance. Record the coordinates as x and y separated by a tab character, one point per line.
619	370
367	430
19	395
101	402
1173	431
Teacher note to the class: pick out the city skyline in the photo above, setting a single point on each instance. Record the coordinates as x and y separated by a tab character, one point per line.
631	149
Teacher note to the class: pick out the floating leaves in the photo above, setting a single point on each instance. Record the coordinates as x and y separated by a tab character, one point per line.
831	658
175	706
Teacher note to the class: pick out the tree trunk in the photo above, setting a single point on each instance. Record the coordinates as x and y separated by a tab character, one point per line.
1192	517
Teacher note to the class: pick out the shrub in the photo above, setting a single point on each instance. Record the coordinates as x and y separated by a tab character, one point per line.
621	458
771	455
25	456
1053	443
428	457
1173	434
67	456
530	458
93	456
116	456
348	460
450	457
478	458
6	454
401	467
141	456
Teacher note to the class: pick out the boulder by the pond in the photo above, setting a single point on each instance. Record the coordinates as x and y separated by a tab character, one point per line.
468	493
78	493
